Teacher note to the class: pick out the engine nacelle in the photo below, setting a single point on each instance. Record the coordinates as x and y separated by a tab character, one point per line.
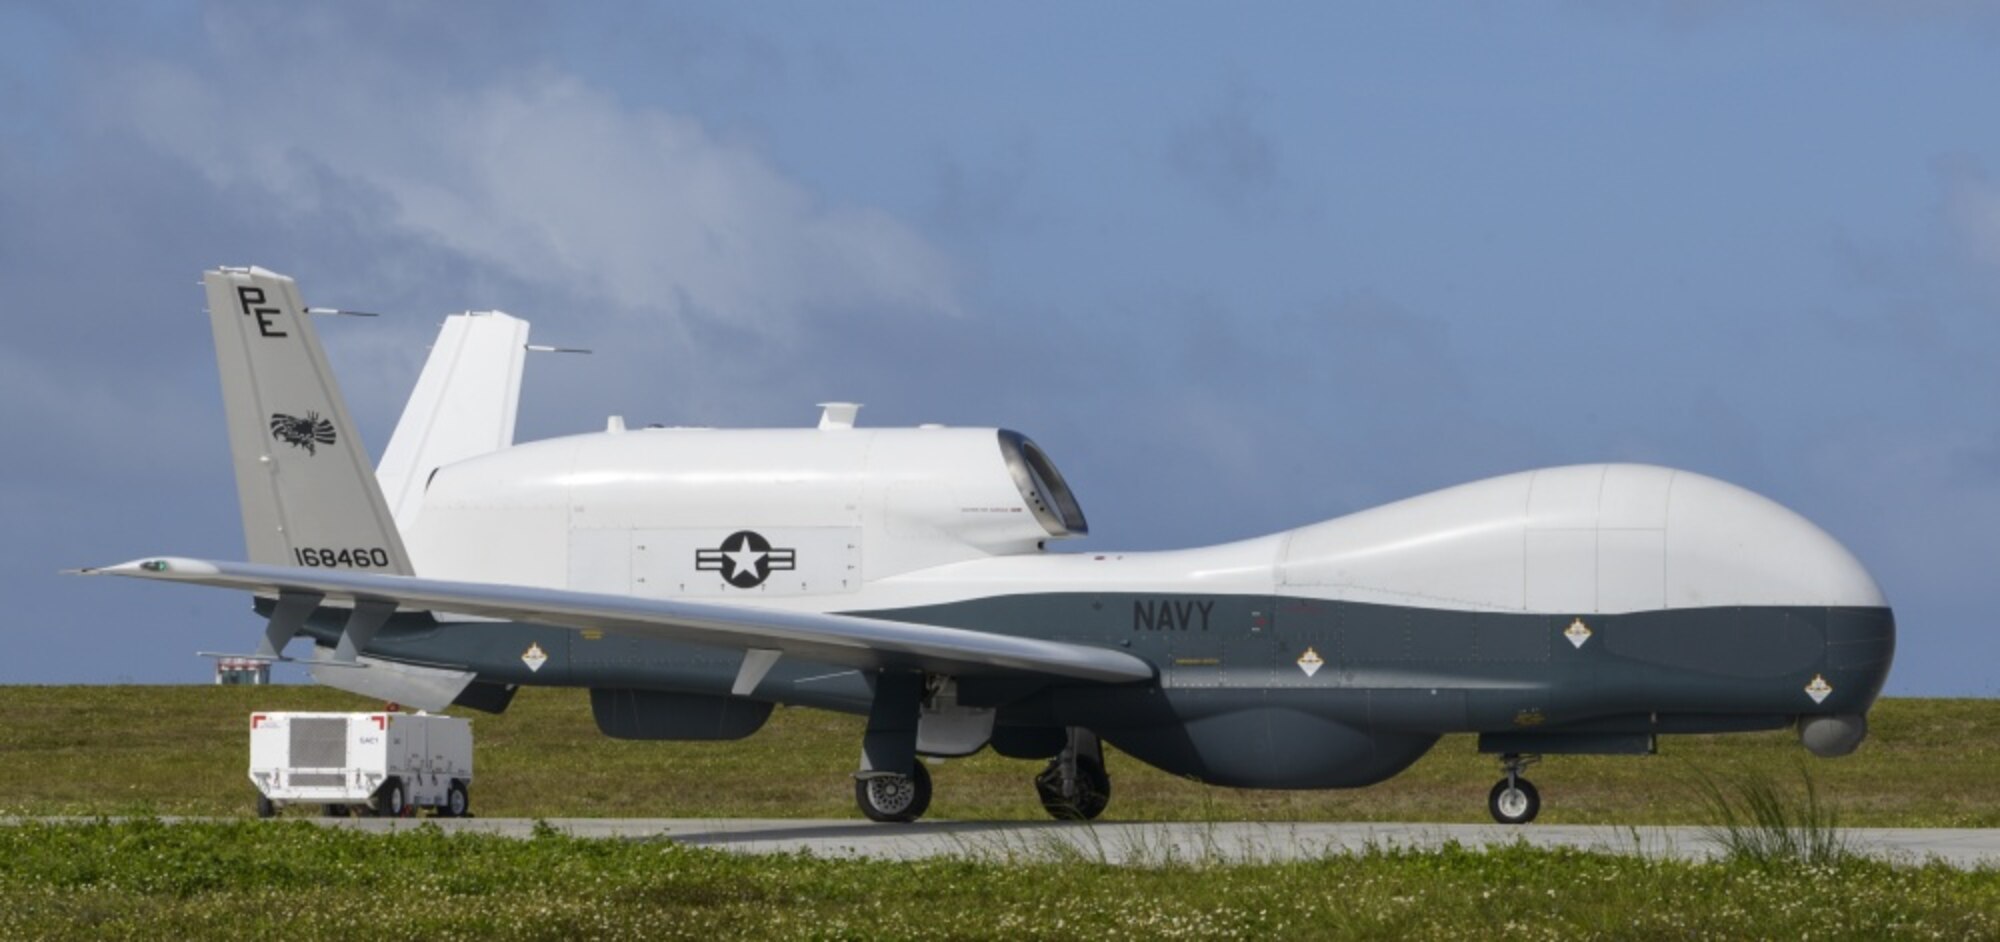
683	717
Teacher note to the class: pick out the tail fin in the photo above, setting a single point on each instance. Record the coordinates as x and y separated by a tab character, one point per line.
463	406
307	488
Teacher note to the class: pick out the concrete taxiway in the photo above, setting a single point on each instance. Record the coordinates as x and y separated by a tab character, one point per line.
1163	842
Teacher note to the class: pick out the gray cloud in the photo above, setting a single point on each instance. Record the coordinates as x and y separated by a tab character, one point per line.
972	199
1977	17
1972	209
1225	153
1926	305
1980	17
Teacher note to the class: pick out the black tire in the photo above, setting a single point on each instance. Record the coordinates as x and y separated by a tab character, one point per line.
338	811
457	801
266	808
894	798
391	801
1514	803
1095	790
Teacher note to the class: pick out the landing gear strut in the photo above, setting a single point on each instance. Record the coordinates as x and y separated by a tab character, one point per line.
1075	786
1514	799
888	797
882	788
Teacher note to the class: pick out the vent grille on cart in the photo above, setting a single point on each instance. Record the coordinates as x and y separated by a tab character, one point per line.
319	743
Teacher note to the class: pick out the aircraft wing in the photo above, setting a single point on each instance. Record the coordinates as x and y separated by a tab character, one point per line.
849	641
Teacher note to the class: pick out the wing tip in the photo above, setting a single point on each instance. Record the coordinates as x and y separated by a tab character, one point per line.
151	567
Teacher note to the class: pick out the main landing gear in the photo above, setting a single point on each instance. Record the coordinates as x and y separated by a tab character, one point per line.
1514	799
888	797
1075	786
914	715
893	784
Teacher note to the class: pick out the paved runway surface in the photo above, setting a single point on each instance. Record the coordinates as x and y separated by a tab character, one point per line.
1158	842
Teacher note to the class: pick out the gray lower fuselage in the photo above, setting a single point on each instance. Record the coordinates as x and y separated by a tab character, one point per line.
1265	691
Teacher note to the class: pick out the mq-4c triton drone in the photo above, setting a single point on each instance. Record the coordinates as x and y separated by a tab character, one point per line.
692	578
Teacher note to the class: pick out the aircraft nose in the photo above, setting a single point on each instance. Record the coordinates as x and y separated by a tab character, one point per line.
1828	627
1860	644
1730	546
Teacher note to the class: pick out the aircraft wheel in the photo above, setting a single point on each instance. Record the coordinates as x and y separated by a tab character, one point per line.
1514	800
1093	787
894	797
338	811
456	801
266	808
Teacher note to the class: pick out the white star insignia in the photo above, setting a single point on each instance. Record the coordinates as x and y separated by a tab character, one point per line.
745	559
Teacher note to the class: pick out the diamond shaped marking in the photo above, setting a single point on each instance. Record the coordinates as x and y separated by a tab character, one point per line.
1577	633
533	657
1819	689
1310	662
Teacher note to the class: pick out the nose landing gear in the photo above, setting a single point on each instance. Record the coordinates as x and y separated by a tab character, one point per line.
1514	799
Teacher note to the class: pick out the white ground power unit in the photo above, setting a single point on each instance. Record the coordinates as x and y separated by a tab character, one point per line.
387	764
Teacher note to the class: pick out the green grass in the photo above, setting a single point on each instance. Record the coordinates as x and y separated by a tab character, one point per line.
1758	822
145	880
183	751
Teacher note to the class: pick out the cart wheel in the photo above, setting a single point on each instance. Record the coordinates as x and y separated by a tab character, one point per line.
456	801
266	808
391	801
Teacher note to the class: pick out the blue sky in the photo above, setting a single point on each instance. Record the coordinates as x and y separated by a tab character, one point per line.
1238	268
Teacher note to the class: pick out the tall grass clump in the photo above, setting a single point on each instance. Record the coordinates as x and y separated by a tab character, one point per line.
1755	821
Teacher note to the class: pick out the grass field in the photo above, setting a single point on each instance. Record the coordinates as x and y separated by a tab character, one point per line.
145	880
183	751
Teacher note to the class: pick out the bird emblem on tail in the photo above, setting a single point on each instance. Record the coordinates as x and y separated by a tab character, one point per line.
308	432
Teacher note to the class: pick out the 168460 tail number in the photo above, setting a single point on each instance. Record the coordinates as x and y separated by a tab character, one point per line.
355	558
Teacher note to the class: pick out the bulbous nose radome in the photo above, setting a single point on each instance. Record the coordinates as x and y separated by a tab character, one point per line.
1727	546
1730	546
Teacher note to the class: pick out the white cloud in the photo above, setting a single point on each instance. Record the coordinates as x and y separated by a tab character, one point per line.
543	176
